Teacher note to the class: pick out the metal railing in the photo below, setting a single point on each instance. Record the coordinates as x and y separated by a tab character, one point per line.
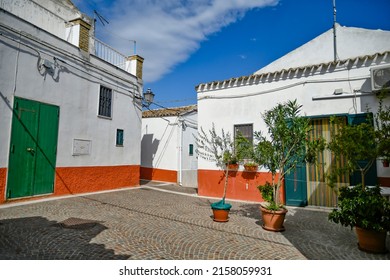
110	55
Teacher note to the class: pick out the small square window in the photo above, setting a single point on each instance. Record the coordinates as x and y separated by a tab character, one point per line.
105	102
191	149
119	137
246	130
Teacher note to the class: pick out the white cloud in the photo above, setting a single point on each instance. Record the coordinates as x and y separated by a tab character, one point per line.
167	32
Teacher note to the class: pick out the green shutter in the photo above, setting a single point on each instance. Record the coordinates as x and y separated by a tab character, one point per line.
119	137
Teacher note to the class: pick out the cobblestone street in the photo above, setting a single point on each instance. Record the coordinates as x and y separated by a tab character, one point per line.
160	221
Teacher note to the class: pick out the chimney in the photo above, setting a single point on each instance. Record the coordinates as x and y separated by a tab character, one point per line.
79	31
134	65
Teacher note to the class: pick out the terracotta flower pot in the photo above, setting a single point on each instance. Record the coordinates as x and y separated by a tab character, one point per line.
371	241
221	215
233	166
273	220
250	168
221	211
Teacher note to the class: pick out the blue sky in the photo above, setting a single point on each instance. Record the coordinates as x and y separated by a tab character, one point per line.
188	42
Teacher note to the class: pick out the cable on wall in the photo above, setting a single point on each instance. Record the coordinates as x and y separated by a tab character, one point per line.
69	55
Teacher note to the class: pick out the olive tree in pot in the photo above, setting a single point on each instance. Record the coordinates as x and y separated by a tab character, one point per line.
279	151
361	207
218	148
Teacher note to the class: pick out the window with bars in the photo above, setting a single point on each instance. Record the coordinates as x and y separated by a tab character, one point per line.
105	102
246	130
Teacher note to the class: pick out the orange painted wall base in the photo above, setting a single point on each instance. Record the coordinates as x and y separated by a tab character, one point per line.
3	176
241	185
155	174
384	181
72	180
77	180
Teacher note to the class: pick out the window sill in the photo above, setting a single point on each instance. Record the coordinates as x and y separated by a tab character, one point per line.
104	117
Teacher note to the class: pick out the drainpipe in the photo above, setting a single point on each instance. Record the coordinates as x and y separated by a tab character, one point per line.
180	149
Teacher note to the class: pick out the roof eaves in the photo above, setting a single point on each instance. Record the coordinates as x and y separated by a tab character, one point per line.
246	80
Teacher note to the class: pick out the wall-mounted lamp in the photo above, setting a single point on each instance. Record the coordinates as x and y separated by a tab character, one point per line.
148	98
46	65
338	91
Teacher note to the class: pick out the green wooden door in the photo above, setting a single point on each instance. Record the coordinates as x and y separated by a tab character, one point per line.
296	186
33	149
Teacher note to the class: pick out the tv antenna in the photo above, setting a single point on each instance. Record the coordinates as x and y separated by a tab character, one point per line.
102	20
334	31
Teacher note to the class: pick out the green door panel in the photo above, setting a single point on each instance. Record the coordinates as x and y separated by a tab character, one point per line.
296	186
47	148
33	148
23	145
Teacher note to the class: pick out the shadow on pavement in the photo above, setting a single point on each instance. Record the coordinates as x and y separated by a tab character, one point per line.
247	210
36	238
311	232
317	238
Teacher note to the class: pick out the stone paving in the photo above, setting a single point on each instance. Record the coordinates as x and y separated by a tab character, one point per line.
162	221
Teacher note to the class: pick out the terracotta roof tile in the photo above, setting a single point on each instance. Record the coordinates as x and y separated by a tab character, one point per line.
167	112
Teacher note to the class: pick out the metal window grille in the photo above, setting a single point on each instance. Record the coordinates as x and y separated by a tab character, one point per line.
245	129
105	102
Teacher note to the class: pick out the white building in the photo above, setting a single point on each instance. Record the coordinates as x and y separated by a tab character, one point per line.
168	145
70	121
323	84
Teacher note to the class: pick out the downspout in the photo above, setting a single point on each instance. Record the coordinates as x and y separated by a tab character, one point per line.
180	149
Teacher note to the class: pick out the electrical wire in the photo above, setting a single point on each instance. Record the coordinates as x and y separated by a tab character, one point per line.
69	55
16	67
176	100
284	87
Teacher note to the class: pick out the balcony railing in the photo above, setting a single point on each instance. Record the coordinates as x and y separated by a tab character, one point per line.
110	55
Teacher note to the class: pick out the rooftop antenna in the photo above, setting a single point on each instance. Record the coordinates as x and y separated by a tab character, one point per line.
334	31
102	20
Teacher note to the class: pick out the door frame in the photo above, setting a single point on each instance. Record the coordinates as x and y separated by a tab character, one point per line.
289	183
41	134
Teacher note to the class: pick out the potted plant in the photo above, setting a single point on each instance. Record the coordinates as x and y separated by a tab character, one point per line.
280	150
366	210
251	166
230	161
360	207
219	149
244	150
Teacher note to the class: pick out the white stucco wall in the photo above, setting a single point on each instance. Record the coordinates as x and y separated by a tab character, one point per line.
350	42
240	105
165	145
73	85
188	175
48	15
228	103
159	143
